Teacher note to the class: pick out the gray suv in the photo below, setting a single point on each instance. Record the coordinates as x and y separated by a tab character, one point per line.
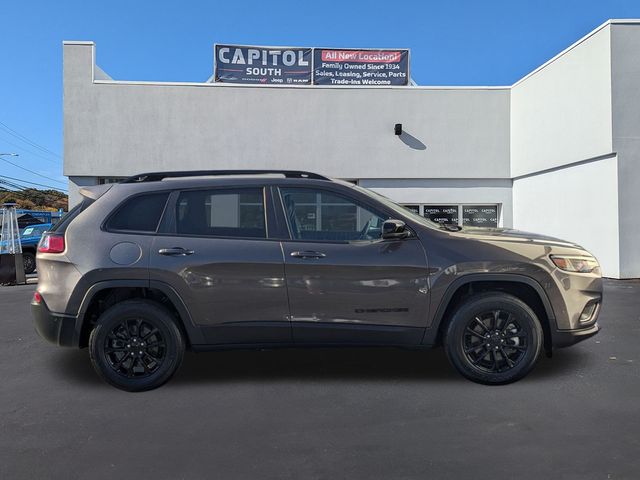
162	262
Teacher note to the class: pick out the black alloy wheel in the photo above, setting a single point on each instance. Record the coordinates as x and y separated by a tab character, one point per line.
494	341
136	345
135	348
493	338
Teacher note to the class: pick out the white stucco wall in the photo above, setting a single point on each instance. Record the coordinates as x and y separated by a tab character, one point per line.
122	128
578	204
561	112
625	43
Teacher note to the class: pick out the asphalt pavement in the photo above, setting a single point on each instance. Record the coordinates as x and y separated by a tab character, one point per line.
323	413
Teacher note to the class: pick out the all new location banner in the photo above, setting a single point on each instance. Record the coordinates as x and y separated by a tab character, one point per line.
262	65
248	64
360	67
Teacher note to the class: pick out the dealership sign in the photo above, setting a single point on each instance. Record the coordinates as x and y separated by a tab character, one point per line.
360	67
262	65
305	66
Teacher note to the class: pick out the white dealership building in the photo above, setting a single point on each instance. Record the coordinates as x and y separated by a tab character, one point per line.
558	152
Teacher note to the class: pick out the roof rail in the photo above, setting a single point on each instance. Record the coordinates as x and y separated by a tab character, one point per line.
157	176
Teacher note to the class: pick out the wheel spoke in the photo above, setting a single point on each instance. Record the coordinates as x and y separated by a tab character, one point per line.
496	320
153	360
475	347
520	348
494	360
479	322
130	371
478	359
153	331
114	349
506	323
510	362
473	332
120	362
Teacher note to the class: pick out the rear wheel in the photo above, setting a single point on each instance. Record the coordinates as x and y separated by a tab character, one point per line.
29	262
493	338
136	345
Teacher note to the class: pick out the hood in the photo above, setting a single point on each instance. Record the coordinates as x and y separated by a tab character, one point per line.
511	235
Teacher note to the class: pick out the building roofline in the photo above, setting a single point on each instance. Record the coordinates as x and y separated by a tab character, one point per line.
78	42
314	87
628	21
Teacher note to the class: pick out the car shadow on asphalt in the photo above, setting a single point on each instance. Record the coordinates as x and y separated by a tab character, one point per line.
311	364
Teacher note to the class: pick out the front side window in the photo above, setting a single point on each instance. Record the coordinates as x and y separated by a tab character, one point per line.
321	215
222	213
139	214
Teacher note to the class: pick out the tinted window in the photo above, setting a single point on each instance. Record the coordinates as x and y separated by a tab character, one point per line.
139	214
480	215
321	215
221	213
442	213
66	219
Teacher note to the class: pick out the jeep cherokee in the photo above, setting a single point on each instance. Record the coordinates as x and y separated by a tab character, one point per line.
141	270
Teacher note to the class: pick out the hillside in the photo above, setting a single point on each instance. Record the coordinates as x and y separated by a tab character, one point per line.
34	199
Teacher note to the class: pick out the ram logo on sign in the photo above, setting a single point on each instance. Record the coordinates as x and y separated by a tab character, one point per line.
262	65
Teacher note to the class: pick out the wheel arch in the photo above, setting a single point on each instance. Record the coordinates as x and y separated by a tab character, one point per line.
523	287
102	295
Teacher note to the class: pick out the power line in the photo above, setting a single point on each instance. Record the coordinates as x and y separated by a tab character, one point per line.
56	162
30	171
11	131
34	183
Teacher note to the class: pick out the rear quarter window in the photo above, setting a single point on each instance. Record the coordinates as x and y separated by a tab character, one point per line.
141	213
68	217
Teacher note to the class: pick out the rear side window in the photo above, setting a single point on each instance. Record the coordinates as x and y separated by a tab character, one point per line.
221	213
66	219
139	214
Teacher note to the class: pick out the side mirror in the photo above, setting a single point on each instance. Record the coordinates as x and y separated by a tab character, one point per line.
394	229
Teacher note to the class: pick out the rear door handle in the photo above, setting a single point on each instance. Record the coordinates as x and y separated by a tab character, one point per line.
308	254
175	251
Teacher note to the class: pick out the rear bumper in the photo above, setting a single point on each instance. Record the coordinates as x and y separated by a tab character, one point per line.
53	327
565	338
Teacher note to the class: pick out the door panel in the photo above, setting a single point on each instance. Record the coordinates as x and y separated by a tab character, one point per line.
345	283
228	274
233	288
374	283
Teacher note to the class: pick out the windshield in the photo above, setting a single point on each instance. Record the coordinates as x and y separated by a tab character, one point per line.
32	231
399	208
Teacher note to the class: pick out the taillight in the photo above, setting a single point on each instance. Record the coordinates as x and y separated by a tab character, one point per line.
37	298
51	243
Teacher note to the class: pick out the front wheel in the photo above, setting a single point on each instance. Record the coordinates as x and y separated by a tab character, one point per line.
136	345
493	338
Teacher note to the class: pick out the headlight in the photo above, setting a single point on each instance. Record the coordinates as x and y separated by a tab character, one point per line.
575	263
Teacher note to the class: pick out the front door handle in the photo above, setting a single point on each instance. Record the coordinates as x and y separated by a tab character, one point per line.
308	254
175	251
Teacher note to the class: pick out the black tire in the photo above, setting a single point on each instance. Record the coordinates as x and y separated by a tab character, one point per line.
29	262
509	351
136	345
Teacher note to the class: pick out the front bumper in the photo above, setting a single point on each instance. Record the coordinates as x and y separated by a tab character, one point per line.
53	327
565	338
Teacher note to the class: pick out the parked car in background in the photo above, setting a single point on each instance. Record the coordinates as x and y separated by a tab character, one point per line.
141	270
29	238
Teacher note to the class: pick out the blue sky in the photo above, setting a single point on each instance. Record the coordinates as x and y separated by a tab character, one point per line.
452	43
